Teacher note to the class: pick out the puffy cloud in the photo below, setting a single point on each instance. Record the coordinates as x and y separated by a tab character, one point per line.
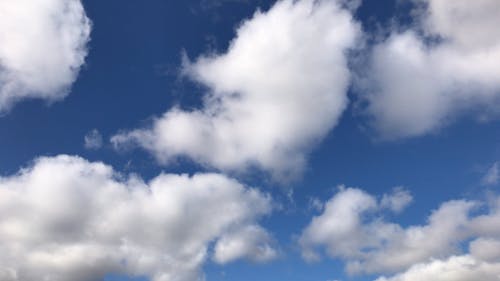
278	90
65	218
487	249
42	47
456	268
93	140
481	232
339	225
423	78
251	242
352	228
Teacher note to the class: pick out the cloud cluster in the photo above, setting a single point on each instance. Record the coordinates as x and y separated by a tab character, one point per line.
352	227
279	89
42	47
64	218
444	66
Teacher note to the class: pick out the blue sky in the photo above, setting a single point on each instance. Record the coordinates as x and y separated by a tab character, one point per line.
249	140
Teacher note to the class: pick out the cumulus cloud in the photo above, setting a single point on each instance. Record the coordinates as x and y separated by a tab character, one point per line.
352	227
278	90
93	140
42	47
459	242
64	218
456	268
445	66
245	243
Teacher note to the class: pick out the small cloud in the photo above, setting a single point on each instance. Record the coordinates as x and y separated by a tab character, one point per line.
397	201
315	204
93	140
492	175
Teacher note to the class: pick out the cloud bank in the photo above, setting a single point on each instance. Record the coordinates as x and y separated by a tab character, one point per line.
64	218
443	67
352	228
278	90
42	47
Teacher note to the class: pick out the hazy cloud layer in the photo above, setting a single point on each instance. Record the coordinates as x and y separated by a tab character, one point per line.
42	47
277	91
64	218
423	78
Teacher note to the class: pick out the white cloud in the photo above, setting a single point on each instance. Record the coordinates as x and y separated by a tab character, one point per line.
251	242
423	78
353	229
277	91
68	219
492	175
455	268
487	249
93	140
42	47
396	201
459	242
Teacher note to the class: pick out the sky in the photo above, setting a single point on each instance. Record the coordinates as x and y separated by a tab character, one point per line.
306	140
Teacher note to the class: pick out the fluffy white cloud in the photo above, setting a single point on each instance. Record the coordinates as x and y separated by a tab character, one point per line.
42	47
245	243
64	218
278	90
456	268
352	228
423	78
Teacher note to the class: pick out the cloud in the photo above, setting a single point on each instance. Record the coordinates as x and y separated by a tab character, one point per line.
492	175
278	90
456	268
353	228
64	218
444	66
397	201
43	46
93	140
459	242
245	243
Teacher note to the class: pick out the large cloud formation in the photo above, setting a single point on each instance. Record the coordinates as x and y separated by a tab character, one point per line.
279	89
445	66
42	47
65	218
352	227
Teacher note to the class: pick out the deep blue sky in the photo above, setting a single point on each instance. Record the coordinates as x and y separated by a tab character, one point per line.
131	74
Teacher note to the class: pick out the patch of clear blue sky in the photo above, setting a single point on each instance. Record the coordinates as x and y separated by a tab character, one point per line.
131	75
